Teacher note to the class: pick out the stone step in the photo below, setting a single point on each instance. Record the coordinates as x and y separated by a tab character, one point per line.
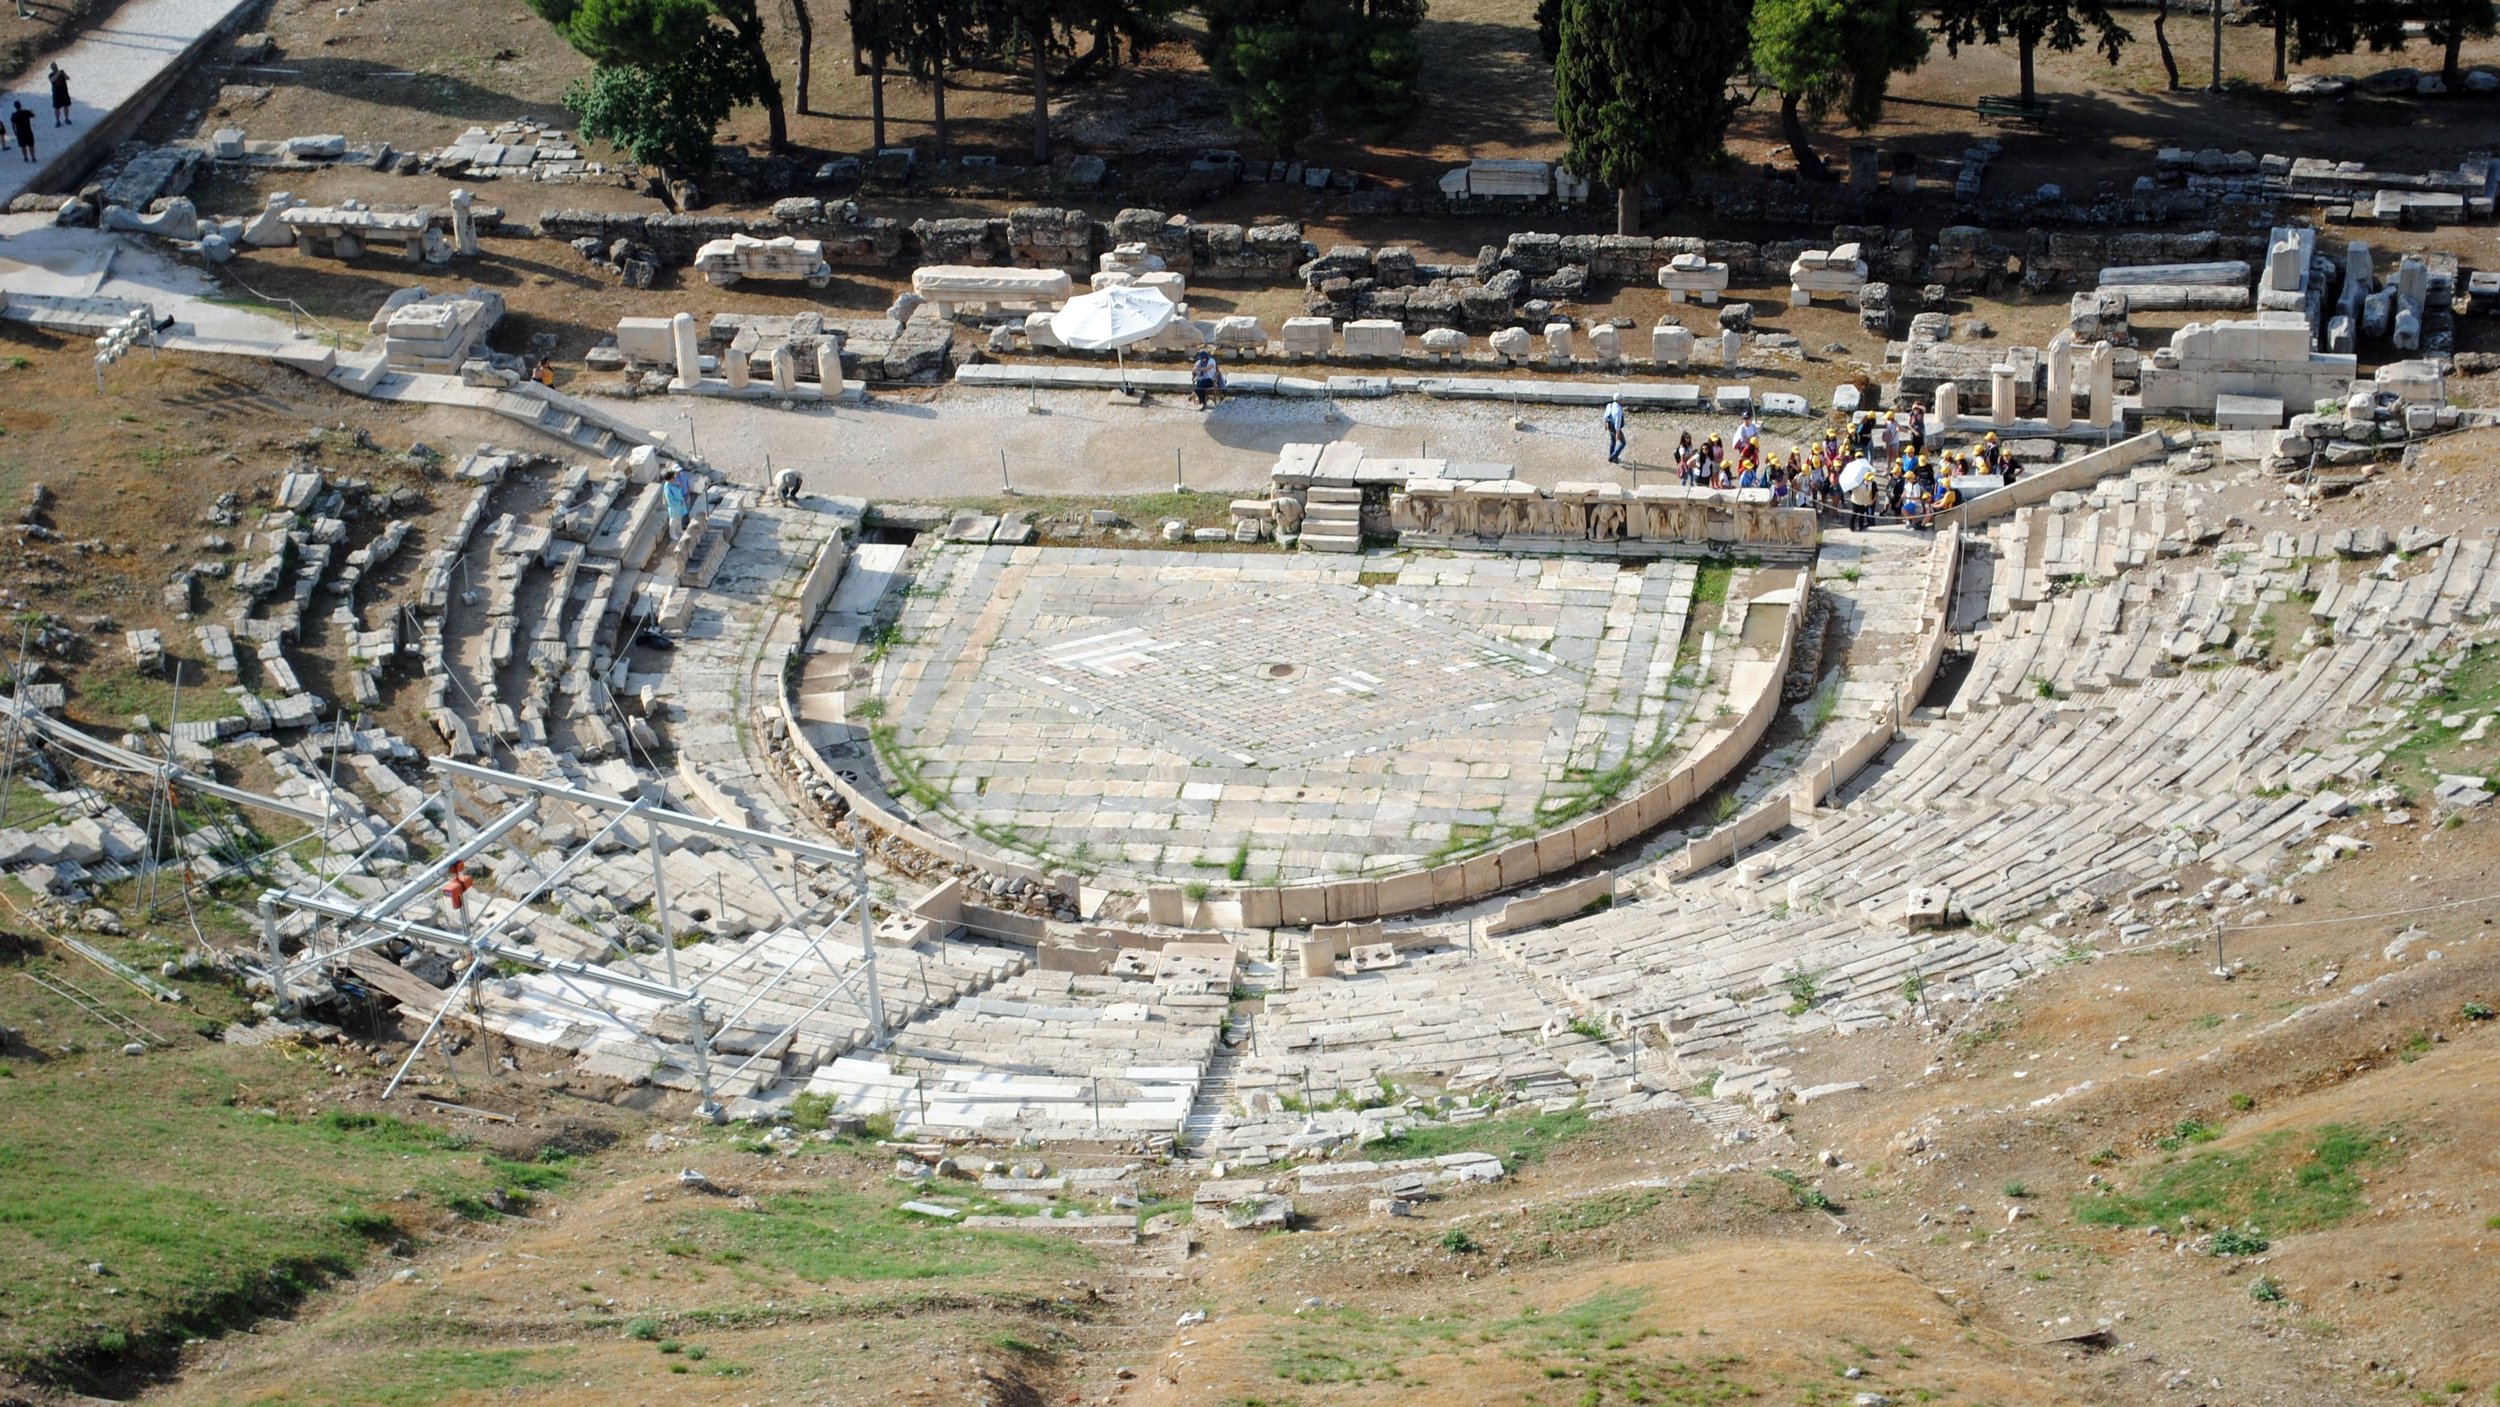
1332	542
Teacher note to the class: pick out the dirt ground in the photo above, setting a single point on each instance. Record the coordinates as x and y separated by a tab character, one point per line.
134	472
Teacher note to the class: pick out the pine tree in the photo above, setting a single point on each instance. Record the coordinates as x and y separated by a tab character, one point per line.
2449	23
2312	29
1641	86
712	49
1297	66
2061	24
1830	56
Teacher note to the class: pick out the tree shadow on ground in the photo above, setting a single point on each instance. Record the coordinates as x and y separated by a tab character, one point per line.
1508	96
441	94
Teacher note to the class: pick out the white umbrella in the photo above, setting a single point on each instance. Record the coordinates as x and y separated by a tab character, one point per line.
1111	319
1853	474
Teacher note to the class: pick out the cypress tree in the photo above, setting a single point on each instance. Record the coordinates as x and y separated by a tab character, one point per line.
1641	86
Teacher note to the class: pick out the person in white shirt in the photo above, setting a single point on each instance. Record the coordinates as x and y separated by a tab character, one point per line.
1616	440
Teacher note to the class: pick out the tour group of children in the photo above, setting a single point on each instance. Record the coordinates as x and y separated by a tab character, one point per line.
1866	467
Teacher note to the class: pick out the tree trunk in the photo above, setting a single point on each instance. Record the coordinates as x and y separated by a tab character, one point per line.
2029	44
750	30
1628	207
2161	40
2216	85
1041	87
1103	52
807	48
2448	70
1800	142
876	101
937	114
777	116
2282	38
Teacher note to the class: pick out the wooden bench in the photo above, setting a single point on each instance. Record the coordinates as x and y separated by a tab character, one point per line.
2013	110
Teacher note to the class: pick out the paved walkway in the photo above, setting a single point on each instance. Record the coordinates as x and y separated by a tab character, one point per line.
38	257
108	66
959	442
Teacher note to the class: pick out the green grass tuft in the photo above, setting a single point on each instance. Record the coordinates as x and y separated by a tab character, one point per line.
209	1213
2280	1183
836	1235
1516	1140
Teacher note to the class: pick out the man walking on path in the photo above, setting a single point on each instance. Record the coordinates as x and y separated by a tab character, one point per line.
22	122
1615	438
60	96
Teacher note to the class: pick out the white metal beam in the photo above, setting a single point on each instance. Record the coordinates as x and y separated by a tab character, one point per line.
674	820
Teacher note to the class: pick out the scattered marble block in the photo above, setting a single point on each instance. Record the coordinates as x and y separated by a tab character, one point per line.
1690	275
1928	906
725	261
2248	413
1309	337
1671	344
1375	337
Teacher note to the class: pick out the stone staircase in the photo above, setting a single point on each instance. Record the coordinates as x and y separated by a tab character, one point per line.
551	417
1333	520
707	545
1219	1086
1216	1093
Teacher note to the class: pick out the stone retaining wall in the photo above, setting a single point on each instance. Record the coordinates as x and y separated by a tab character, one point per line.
816	588
1030	237
2038	485
1353	281
1656	519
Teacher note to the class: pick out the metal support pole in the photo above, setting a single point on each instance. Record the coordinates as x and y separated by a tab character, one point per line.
710	1107
17	725
425	880
477	964
868	951
272	957
659	906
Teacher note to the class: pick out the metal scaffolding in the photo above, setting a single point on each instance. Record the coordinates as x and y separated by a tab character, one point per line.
341	925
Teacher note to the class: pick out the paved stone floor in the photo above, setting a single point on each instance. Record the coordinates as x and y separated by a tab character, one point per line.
1188	714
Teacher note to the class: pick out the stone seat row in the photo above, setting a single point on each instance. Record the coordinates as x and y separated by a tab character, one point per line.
1441	1018
2200	732
1043	1051
1714	980
1969	804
